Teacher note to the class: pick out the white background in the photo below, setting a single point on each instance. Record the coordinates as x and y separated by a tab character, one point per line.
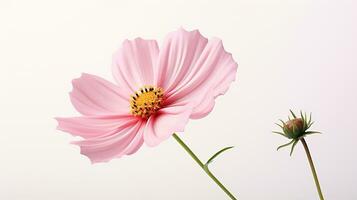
291	54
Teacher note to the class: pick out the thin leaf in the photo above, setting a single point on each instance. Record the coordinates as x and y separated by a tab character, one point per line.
283	122
279	125
293	114
292	148
302	116
280	133
309	119
216	154
312	132
305	121
284	145
310	125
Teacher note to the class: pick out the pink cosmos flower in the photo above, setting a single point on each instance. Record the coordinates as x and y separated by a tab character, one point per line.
156	92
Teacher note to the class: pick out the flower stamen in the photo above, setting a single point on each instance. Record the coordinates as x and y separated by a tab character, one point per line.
146	101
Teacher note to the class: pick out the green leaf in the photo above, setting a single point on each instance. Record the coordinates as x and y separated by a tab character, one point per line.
280	133
216	154
282	122
284	145
293	114
310	124
309	120
292	148
279	125
312	132
305	121
302	116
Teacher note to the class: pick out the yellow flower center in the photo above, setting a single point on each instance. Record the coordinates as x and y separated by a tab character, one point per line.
146	101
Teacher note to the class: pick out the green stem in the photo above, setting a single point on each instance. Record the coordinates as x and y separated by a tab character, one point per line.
312	168
204	167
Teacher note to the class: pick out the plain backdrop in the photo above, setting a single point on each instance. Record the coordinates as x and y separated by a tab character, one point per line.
291	54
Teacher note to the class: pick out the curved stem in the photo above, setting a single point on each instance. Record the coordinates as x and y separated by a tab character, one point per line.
312	168
204	167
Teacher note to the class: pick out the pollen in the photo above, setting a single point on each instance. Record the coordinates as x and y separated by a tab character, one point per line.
146	101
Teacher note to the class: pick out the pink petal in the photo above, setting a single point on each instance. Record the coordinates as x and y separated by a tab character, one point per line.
123	141
180	51
196	75
167	121
134	64
93	126
92	95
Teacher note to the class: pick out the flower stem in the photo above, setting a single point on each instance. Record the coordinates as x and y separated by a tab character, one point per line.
312	168
203	166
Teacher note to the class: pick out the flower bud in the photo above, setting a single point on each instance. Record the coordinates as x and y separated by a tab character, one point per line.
294	128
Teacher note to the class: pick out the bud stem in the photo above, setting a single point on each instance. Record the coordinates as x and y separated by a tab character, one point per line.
312	167
200	163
